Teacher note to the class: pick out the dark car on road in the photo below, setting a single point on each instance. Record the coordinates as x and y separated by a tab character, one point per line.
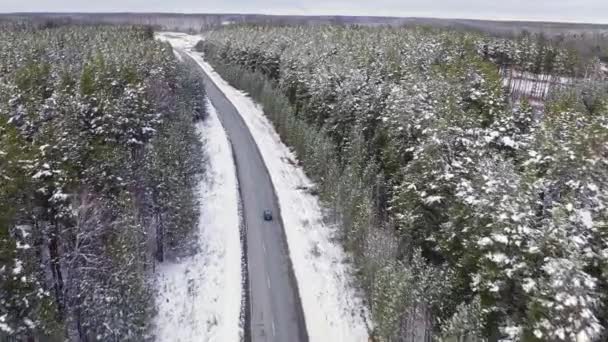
267	215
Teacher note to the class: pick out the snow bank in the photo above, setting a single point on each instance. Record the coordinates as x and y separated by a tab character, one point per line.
199	297
332	308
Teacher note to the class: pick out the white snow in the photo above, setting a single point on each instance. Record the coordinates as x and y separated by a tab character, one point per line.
3	326
507	141
485	241
500	238
18	267
499	258
29	323
432	199
333	310
586	218
199	297
528	285
530	84
24	229
42	173
178	56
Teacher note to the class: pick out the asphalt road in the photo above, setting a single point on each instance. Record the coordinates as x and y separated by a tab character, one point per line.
275	310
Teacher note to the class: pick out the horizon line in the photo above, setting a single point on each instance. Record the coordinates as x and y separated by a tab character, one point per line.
502	20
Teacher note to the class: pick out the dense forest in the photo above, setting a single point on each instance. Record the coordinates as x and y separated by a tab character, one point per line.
99	158
469	215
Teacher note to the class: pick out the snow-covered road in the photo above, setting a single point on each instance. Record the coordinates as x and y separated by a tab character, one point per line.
199	297
275	312
332	307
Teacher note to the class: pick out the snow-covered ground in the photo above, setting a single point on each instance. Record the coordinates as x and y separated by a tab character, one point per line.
179	40
535	86
332	308
199	297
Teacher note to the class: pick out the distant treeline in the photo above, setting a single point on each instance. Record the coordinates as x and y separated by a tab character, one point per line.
195	22
588	40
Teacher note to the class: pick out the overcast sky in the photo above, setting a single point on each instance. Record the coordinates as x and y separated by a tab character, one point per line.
551	10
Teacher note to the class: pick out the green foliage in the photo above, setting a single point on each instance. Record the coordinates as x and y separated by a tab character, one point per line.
458	206
99	158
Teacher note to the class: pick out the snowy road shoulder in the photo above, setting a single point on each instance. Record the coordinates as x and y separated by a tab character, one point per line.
199	297
332	308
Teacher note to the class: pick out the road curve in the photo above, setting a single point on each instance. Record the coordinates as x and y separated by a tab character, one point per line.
275	310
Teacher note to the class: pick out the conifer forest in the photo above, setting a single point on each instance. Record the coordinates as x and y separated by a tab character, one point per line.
99	157
466	209
463	175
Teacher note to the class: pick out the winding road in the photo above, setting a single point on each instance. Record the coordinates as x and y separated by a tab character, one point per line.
275	309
